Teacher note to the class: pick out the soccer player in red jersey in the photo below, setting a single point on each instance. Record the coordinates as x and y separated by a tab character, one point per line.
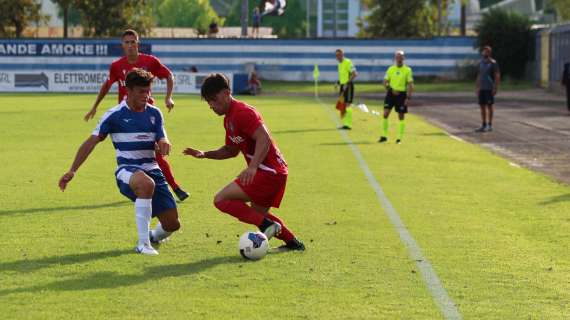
262	183
117	72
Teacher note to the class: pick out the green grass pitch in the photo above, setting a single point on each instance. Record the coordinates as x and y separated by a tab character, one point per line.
497	235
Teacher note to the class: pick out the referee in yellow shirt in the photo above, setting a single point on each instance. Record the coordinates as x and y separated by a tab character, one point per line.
399	83
346	75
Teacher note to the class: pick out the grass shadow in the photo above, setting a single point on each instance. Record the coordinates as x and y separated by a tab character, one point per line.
37	264
434	134
342	143
111	280
556	199
89	207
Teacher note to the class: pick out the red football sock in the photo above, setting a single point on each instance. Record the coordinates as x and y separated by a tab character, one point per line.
240	210
286	234
166	170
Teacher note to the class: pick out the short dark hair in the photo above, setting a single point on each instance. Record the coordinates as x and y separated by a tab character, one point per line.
213	84
130	32
487	48
339	50
138	77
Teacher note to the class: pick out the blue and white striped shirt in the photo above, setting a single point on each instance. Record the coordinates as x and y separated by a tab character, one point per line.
134	134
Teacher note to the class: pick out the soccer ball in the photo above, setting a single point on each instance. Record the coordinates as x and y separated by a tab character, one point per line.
253	245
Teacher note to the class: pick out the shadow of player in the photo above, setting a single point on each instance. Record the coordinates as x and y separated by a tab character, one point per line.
111	279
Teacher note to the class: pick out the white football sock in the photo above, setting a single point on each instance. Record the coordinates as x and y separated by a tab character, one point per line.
143	214
159	233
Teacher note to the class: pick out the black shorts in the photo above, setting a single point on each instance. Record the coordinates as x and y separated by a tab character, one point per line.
486	98
349	93
398	102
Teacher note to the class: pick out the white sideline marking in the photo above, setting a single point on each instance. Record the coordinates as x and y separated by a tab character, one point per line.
442	299
512	164
455	137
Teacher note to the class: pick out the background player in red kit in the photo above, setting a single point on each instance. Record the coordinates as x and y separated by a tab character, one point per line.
262	183
117	72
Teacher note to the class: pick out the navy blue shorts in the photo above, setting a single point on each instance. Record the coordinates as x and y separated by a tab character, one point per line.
486	98
162	199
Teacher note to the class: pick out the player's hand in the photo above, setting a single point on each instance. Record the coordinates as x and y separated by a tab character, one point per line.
65	180
494	91
247	175
164	147
90	114
193	152
169	103
477	91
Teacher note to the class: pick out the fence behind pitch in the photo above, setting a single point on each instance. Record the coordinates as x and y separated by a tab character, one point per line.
553	51
275	59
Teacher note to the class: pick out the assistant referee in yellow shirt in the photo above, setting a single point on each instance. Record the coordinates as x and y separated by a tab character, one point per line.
399	83
346	74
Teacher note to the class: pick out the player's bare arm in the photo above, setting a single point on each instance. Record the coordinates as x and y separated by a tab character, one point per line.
199	154
168	102
353	75
497	82
102	93
164	146
82	154
410	91
225	152
262	144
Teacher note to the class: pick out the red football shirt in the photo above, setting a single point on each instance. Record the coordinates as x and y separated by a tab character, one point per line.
240	123
120	67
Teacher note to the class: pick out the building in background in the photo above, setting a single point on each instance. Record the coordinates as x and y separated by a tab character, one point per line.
338	18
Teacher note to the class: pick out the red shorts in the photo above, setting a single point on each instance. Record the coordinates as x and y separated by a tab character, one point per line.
266	189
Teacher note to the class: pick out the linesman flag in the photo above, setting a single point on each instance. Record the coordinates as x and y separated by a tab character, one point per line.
316	73
340	104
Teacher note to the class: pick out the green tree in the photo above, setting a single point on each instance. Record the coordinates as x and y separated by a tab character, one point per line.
101	18
17	15
68	13
73	15
400	19
508	33
562	8
197	14
292	24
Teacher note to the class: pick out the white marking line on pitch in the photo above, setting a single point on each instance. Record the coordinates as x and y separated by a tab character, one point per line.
455	137
442	299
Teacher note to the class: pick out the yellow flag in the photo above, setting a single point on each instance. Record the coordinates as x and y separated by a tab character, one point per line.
316	72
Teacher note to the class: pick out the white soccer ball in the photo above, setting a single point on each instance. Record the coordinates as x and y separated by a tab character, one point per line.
253	245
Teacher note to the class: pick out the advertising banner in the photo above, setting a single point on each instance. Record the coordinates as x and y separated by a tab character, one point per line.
85	81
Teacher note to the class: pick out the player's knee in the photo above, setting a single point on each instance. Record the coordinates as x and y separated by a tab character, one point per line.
219	197
142	185
147	186
172	226
220	203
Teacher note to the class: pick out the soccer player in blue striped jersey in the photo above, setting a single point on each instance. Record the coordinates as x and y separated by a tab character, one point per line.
136	130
